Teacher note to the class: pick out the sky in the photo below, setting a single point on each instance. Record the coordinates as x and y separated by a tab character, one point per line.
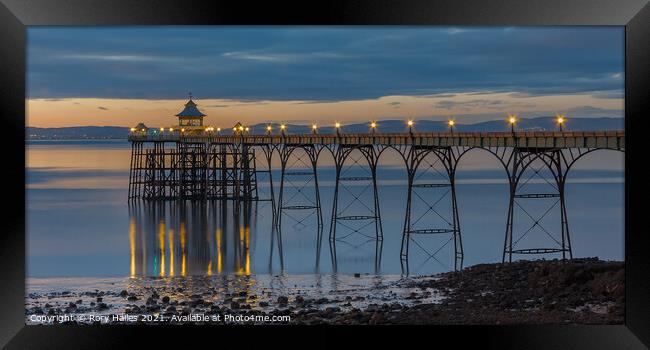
120	76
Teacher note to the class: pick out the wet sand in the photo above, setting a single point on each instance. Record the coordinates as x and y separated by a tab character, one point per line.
584	291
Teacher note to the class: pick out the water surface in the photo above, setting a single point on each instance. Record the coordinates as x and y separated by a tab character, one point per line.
79	222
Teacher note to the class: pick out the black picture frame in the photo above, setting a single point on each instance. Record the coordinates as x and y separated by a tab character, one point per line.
15	15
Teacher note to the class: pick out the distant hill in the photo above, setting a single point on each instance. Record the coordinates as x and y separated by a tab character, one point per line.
77	132
531	124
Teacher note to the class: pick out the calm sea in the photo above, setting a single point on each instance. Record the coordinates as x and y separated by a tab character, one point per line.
80	223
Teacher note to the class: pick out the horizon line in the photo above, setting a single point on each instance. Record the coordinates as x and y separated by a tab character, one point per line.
349	124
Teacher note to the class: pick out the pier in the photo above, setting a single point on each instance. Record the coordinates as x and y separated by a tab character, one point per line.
204	166
191	161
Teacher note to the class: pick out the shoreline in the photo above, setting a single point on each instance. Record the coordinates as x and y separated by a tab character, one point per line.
580	291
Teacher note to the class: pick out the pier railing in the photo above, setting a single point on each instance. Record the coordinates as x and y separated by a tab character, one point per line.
534	139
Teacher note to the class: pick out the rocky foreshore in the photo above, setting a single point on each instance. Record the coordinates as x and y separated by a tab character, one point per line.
581	291
584	291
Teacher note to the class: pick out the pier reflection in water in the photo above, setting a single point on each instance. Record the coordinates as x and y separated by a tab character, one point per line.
205	238
191	238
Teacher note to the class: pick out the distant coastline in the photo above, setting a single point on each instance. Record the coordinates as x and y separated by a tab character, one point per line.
530	124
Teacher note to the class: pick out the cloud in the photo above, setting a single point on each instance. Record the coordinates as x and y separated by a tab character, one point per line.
103	108
291	57
454	31
395	104
472	104
609	95
442	96
321	63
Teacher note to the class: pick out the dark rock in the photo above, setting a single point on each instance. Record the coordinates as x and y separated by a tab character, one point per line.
330	310
376	318
196	302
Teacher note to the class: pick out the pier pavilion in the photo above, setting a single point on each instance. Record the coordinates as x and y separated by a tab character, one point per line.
190	119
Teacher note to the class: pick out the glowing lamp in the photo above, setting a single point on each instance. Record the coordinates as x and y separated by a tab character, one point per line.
560	120
451	124
410	125
512	119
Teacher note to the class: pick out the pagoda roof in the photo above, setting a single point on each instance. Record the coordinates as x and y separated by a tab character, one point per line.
141	126
190	110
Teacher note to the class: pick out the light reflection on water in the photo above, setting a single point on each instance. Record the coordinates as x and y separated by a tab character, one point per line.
190	238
